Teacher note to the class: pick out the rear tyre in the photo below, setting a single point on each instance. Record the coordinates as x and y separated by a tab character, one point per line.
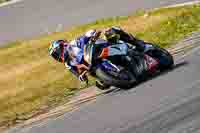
165	59
116	81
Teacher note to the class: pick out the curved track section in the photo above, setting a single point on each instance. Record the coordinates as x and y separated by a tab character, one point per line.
169	103
30	18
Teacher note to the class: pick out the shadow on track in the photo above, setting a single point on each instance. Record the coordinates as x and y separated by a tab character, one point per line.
176	66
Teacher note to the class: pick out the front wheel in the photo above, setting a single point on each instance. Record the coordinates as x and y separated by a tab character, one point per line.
101	85
123	80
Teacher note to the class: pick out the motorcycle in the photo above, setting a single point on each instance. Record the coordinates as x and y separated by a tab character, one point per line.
125	71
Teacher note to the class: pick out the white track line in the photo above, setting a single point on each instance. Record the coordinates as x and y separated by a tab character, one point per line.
9	2
178	5
184	4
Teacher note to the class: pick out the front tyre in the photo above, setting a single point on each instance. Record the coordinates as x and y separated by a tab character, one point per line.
101	85
118	81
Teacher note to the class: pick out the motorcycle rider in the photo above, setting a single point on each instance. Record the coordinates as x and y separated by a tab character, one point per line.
115	34
71	53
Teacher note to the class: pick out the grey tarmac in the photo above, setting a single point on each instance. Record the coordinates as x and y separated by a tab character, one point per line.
166	103
32	18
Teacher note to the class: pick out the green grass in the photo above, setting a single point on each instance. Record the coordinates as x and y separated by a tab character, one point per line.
2	1
30	81
175	27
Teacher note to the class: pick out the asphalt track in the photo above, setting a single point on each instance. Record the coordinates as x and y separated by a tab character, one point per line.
169	103
31	18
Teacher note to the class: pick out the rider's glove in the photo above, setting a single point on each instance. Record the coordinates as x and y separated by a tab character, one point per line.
83	76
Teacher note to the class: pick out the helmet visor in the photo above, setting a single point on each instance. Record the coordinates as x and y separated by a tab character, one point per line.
57	55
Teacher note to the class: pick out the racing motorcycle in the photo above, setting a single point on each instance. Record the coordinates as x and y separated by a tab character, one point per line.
125	71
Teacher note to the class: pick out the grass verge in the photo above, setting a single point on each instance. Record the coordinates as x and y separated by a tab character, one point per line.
2	1
31	82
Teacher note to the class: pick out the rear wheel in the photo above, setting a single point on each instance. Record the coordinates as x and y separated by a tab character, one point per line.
124	79
165	59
